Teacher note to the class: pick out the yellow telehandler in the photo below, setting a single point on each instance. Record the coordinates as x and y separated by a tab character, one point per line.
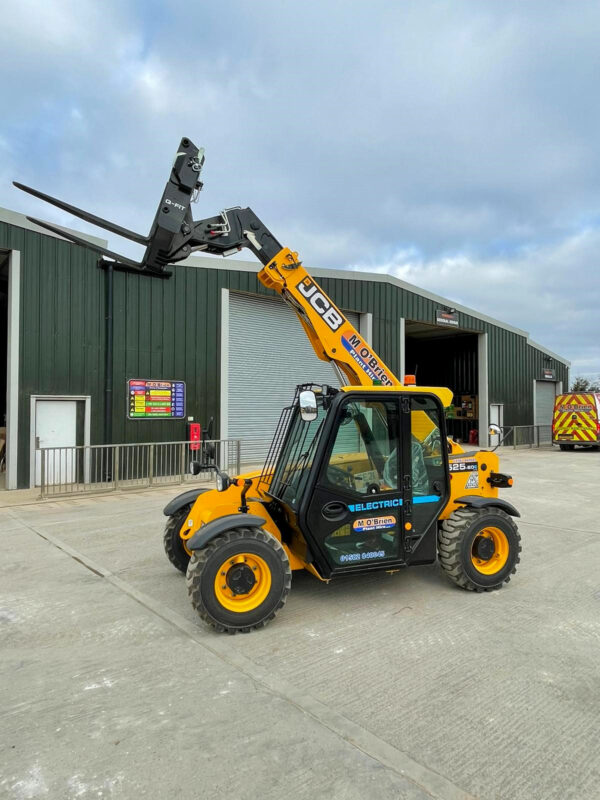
357	479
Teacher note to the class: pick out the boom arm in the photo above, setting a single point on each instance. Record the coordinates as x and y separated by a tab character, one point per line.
174	236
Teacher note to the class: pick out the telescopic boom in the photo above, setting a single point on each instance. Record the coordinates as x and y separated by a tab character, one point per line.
174	236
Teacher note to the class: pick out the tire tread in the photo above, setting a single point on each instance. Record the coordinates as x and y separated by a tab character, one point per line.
450	537
174	550
200	559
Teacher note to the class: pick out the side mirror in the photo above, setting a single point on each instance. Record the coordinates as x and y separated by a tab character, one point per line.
494	430
223	479
308	406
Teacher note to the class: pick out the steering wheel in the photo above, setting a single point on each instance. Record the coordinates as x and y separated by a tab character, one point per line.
340	477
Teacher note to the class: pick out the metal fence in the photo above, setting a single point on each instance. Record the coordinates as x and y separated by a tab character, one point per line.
528	436
253	452
103	468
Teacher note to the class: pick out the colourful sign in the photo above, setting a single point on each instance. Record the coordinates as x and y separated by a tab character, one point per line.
155	399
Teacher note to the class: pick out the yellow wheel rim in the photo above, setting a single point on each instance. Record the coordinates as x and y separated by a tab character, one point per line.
242	582
489	551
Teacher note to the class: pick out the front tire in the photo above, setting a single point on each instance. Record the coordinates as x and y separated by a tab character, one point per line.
240	580
479	549
174	547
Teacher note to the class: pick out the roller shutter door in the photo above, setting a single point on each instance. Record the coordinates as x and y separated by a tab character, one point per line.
269	355
545	392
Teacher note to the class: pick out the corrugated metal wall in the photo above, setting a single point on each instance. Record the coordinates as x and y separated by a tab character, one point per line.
61	326
171	329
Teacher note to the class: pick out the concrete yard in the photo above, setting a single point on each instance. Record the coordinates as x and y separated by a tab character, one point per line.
378	686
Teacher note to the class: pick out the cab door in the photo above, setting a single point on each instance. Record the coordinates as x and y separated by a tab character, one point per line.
429	482
354	514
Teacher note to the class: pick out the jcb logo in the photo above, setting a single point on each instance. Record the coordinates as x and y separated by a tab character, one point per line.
321	304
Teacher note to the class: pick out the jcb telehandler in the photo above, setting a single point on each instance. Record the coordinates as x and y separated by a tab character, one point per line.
357	479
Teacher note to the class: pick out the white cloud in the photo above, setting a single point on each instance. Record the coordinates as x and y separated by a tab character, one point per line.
454	143
551	290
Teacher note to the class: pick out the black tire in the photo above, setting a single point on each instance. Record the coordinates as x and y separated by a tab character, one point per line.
203	569
176	552
457	537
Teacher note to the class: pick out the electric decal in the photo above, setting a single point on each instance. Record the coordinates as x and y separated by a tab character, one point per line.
365	359
375	505
373	524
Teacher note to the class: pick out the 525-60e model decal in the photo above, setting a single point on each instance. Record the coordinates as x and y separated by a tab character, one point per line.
463	466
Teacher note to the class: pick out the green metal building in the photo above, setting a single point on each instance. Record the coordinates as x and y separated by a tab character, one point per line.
238	349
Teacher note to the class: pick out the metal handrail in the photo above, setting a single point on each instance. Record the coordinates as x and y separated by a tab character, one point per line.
84	469
527	436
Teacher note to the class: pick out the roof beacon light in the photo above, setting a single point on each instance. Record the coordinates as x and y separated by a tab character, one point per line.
410	380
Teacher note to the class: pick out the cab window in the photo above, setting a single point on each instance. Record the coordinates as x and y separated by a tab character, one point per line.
365	453
428	473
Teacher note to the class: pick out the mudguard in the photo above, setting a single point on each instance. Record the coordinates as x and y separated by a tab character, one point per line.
182	500
483	502
218	526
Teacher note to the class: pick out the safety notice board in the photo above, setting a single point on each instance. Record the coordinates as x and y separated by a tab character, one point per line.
155	399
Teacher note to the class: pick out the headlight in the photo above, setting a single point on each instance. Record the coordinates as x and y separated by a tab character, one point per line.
221	482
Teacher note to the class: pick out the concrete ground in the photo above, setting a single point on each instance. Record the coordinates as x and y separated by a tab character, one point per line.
384	686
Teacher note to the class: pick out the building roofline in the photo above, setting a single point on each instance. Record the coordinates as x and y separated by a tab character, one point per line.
548	352
238	265
21	221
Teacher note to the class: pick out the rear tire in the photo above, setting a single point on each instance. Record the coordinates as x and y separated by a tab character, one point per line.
479	548
176	552
240	580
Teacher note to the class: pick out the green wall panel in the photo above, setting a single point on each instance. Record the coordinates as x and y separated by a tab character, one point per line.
171	329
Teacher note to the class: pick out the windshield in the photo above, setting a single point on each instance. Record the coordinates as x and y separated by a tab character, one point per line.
296	457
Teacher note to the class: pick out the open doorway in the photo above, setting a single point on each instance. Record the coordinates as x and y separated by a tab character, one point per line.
442	357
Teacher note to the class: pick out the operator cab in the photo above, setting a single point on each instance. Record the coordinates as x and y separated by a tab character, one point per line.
359	475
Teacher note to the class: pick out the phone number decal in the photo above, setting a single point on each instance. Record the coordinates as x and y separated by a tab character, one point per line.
362	556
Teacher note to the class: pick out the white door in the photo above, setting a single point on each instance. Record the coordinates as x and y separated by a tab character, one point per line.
496	418
56	426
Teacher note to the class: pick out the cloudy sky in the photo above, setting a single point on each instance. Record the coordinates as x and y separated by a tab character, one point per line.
455	145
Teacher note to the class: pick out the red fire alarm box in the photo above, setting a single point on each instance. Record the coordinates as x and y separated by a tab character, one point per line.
194	435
